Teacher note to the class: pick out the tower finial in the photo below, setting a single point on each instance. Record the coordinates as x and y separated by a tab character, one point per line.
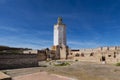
59	20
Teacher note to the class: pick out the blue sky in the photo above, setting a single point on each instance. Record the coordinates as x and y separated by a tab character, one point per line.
29	23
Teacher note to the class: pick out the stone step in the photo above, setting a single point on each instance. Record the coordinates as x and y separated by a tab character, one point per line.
4	76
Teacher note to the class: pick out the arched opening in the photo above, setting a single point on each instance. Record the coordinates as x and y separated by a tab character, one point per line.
103	58
77	55
114	55
82	54
91	54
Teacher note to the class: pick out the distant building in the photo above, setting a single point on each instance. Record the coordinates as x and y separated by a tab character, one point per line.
30	52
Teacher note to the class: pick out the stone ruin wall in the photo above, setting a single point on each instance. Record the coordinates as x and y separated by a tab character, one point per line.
112	54
11	61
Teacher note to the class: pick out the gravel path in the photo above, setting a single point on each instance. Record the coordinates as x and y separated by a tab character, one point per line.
78	71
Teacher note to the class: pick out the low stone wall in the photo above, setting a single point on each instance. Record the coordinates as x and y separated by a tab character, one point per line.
10	61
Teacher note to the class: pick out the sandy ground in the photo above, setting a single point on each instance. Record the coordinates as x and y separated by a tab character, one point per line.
76	71
41	76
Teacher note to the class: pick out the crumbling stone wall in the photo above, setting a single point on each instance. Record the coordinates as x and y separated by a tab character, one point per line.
9	61
111	54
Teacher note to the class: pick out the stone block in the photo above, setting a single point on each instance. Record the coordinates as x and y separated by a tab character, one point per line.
4	76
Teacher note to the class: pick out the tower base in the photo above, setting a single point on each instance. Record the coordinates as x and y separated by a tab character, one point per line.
61	51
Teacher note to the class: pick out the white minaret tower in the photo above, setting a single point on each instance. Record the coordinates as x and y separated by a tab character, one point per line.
59	33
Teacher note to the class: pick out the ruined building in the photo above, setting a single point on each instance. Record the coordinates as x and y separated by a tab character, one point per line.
60	50
111	54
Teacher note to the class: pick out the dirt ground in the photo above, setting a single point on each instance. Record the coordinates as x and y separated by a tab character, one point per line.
76	71
41	76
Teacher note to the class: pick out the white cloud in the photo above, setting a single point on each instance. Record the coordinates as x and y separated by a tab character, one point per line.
28	39
85	44
44	33
34	43
5	28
